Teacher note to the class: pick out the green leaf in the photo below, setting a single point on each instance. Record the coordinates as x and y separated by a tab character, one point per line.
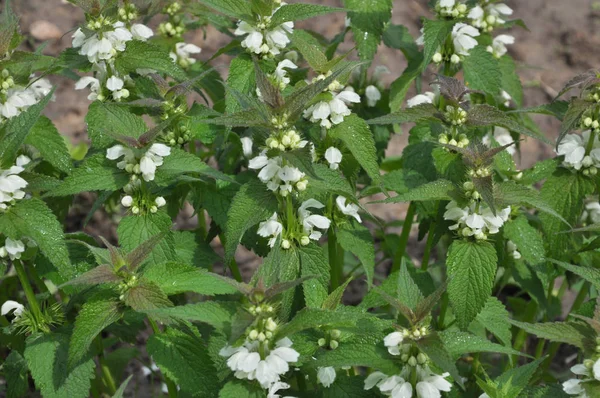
181	162
252	204
329	181
356	353
409	293
299	12
487	115
511	83
241	78
233	8
433	346
310	318
510	193
573	188
409	115
175	278
436	190
355	133
398	37
146	296
335	298
513	381
121	390
482	71
106	121
14	132
590	274
458	343
313	263
16	374
184	358
562	332
399	88
435	34
356	239
135	230
472	268
494	317
96	173
310	49
529	241
367	20
46	139
241	389
93	318
46	357
218	315
32	218
144	55
572	117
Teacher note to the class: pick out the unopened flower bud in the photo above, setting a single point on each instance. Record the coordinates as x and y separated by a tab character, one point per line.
468	186
135	210
153	209
455	59
271	325
588	363
253	335
587	161
404	357
285	244
127	201
261	336
587	121
301	185
421	358
335	334
333	344
417	333
3	252
437	58
160	201
452	142
412	361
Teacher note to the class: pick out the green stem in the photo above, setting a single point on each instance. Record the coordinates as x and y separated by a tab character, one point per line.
202	223
430	238
233	266
33	303
107	377
406	227
171	386
590	144
443	310
332	246
522	334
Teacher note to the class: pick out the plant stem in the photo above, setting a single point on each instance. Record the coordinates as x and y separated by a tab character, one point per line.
24	279
107	377
443	310
235	270
332	246
171	386
406	227
202	223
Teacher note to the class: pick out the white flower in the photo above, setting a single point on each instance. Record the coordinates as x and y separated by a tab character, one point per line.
489	16
183	54
12	248
332	112
512	249
573	148
392	342
425	98
502	137
11	184
152	159
589	372
141	32
431	384
127	201
472	223
115	84
40	88
102	49
326	376
573	387
310	221
498	47
277	177
94	86
117	151
270	228
281	74
246	146
17	100
160	201
11	305
333	157
262	39
396	387
463	38
348	208
275	387
247	363
373	95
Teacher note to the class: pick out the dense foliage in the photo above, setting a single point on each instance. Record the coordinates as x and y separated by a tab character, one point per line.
281	157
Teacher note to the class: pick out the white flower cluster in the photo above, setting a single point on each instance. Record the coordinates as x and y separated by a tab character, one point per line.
146	165
326	376
12	306
138	204
264	39
14	99
266	367
11	184
429	384
332	111
463	40
489	16
280	178
574	148
107	40
498	47
286	140
451	8
12	249
183	54
590	372
475	220
513	250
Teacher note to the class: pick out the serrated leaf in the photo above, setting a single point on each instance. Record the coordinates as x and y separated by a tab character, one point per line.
556	108
435	349
424	306
435	33
580	80
252	204
14	132
572	116
46	139
239	389
459	343
46	357
472	267
563	332
146	295
106	121
241	78
299	12
510	193
175	278
409	115
96	173
367	20
233	8
313	263
184	358
310	318
181	162
435	190
511	83
590	274
95	315
97	275
529	241
399	87
16	374
482	71
218	315
135	230
487	115
357	239
330	181
356	354
32	218
513	381
310	49
494	317
355	133
121	390
335	298
144	55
